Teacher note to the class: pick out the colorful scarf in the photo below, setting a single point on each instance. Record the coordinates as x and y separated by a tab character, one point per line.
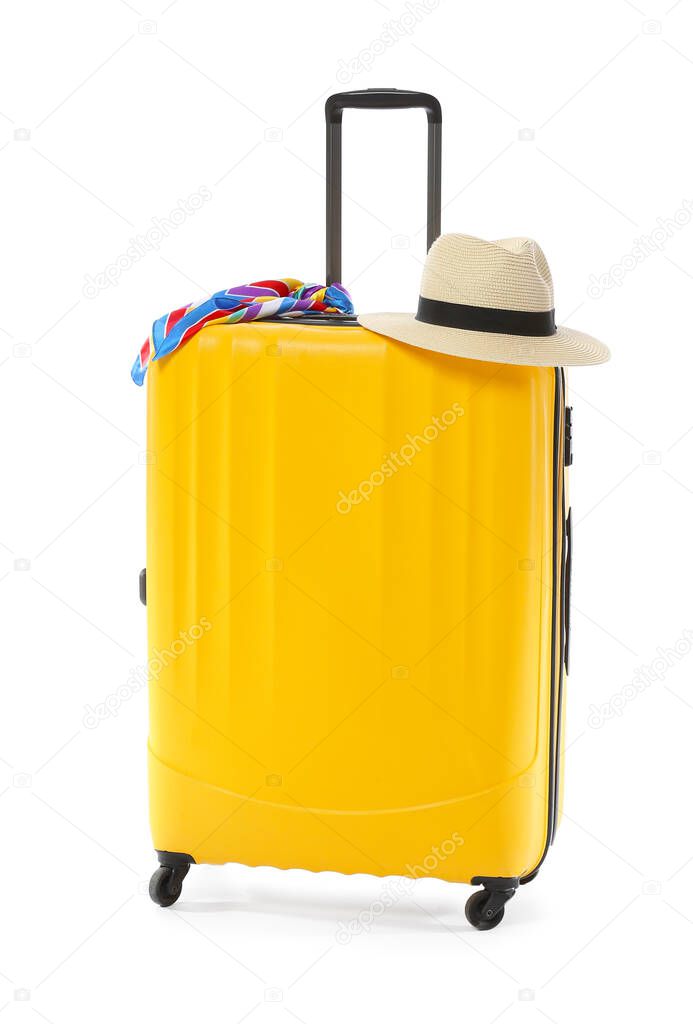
235	305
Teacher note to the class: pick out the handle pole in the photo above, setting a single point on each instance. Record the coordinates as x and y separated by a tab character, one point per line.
377	99
433	183
334	203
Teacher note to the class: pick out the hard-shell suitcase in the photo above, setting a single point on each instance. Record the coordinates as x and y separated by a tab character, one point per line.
357	575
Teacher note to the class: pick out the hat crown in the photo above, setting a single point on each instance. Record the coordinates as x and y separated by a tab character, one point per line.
511	273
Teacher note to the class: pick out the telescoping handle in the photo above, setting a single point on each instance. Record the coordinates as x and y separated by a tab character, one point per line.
377	99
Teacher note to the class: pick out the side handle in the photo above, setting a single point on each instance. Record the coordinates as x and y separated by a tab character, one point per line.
566	587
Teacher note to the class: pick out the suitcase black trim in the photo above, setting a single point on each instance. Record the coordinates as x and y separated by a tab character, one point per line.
565	526
314	319
561	665
558	611
174	860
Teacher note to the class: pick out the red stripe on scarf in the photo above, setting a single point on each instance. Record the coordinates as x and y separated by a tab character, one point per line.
280	287
217	314
173	318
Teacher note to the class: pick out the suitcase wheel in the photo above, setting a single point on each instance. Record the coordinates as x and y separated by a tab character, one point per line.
485	909
166	884
476	913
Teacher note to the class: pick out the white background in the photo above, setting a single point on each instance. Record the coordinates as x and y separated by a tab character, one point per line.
131	108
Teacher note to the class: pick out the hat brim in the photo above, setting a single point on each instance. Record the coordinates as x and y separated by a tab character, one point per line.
564	348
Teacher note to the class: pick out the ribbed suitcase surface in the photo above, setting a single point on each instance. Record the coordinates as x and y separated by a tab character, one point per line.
362	544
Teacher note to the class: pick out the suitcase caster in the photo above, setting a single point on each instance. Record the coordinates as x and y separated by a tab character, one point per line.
486	909
166	884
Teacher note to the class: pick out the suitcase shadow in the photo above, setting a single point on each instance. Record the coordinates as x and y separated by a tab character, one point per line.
350	918
399	919
351	905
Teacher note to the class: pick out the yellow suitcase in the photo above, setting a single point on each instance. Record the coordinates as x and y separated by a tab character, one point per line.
356	585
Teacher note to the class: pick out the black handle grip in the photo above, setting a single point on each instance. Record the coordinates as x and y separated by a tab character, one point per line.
377	99
382	99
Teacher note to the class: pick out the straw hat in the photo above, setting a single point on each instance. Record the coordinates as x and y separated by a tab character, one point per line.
490	301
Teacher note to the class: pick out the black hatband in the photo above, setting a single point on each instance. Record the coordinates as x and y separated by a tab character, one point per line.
492	321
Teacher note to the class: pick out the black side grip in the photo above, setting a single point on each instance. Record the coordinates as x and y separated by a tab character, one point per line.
143	586
566	598
568	451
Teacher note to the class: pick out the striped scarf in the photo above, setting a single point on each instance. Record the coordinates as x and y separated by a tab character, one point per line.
238	305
